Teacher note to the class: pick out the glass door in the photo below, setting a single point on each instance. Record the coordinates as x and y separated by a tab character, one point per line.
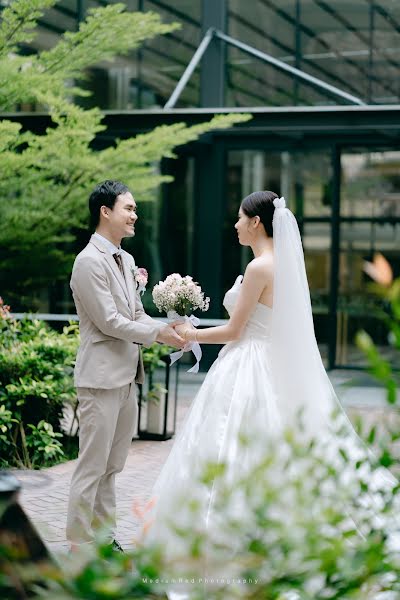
369	223
305	179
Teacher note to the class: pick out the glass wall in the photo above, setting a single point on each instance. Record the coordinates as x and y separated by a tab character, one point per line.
164	59
305	179
370	222
147	77
352	45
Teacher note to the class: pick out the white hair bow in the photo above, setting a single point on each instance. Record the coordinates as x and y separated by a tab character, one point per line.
280	202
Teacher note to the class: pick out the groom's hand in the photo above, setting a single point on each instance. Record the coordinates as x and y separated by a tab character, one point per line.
180	328
168	335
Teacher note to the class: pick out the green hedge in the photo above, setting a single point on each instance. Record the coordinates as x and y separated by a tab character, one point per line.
36	366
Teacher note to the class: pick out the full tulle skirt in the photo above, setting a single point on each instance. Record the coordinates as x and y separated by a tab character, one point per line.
236	401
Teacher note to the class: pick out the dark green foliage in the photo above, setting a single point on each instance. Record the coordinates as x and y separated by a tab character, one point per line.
45	179
36	366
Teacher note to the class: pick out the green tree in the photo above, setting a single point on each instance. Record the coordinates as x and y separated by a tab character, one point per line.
45	178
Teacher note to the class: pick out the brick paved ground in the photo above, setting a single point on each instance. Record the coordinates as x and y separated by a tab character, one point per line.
45	493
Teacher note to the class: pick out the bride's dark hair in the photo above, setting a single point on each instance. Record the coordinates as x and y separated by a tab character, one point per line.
261	204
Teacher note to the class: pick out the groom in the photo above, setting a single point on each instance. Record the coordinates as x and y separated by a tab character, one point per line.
113	326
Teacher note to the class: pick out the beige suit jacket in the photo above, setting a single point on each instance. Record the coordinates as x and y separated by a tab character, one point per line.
113	323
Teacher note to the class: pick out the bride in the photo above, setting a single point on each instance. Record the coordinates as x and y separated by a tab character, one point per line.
269	370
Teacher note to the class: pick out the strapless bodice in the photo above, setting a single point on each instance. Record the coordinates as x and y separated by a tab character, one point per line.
259	323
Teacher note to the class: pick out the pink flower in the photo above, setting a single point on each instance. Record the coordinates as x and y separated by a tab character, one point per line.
379	270
142	276
4	309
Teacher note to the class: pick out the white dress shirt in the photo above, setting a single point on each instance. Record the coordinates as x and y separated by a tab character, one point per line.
109	245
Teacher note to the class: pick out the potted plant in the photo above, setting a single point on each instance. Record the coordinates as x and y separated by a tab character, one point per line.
155	399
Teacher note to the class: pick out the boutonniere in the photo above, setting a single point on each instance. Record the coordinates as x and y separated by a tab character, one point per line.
140	277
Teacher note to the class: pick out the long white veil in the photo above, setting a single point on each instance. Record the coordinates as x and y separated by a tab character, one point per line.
300	378
302	385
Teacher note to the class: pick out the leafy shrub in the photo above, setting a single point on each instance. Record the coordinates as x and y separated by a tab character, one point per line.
388	290
36	367
299	522
97	574
153	357
379	367
43	443
295	525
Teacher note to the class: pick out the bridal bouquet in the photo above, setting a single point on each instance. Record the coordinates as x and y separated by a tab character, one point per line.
178	296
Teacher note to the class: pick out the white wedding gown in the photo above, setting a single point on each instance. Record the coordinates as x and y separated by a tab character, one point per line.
237	399
255	391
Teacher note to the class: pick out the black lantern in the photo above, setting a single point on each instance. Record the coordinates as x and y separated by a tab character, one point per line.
155	400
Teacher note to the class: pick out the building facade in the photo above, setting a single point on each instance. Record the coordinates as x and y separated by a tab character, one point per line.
321	80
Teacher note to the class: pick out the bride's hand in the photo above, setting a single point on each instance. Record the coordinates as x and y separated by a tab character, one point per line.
180	328
174	324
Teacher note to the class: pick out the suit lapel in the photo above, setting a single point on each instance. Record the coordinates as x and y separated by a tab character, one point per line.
111	261
129	283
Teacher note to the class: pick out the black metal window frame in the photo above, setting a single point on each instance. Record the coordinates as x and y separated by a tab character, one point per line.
223	146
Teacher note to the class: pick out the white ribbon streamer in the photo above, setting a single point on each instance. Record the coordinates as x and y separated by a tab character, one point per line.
190	346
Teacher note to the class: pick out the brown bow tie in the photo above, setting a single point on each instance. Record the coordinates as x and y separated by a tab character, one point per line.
118	260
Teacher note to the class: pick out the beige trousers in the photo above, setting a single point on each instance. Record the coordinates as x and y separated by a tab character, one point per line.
108	420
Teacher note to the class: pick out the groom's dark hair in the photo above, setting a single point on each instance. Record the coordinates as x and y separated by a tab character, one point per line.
261	204
104	194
